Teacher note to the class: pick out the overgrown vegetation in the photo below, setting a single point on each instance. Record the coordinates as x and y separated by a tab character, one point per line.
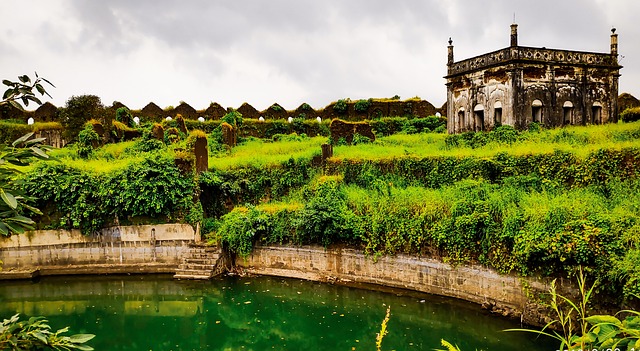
530	202
36	334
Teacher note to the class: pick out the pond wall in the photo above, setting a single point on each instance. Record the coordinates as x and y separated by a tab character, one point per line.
504	294
161	248
127	249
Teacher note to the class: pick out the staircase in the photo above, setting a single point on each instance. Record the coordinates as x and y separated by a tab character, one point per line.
201	262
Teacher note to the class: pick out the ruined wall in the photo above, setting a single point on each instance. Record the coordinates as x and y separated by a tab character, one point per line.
548	86
124	245
480	101
506	294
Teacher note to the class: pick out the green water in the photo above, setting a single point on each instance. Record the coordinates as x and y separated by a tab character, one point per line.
258	313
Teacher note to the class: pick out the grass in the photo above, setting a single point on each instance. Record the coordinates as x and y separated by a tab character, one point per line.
107	159
261	153
579	140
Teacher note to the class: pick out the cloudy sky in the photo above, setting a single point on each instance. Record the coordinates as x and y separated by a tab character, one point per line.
287	51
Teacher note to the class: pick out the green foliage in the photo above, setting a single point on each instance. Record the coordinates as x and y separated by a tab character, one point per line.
70	198
630	115
392	125
123	115
11	131
325	216
36	334
362	105
24	91
13	204
77	111
240	228
360	139
341	106
234	118
87	139
147	143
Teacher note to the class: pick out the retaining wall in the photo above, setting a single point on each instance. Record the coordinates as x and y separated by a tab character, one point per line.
505	294
111	250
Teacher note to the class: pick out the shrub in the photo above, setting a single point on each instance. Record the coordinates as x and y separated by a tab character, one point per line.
87	140
74	199
340	106
323	218
362	105
630	115
233	117
147	143
123	115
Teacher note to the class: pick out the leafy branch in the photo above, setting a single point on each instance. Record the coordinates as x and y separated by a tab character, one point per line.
24	91
36	334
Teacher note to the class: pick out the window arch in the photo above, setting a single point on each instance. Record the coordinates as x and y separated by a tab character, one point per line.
478	117
536	111
567	109
596	113
497	113
461	119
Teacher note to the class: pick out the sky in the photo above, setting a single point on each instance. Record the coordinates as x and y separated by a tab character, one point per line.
287	51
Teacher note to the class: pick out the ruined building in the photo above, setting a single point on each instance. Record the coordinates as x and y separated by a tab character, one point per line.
519	85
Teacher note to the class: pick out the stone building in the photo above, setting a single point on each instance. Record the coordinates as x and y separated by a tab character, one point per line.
519	85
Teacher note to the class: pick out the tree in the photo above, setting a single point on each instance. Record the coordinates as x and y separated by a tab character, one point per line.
78	111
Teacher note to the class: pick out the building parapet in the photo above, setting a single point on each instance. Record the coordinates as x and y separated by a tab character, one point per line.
532	55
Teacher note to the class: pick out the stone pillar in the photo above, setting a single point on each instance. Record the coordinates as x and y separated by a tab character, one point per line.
614	44
514	35
450	57
201	152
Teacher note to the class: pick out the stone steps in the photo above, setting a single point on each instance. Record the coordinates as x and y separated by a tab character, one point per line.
199	263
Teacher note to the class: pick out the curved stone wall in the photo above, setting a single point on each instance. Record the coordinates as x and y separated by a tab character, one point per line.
504	294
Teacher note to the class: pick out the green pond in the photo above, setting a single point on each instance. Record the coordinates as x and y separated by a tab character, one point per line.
154	312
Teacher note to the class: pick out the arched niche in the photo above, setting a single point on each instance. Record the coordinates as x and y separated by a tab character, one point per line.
536	111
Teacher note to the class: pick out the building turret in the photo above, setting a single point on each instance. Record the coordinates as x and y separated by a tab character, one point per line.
514	35
614	42
450	47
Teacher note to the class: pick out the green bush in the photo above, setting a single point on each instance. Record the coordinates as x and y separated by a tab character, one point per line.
362	105
322	220
87	139
74	199
341	106
630	115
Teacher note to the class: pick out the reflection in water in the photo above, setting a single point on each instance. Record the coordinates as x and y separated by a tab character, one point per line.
260	313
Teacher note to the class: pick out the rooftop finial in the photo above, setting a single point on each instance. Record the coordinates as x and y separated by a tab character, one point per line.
613	30
450	41
514	34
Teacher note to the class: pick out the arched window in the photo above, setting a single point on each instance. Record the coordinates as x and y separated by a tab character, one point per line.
461	119
596	113
478	117
536	111
567	109
497	113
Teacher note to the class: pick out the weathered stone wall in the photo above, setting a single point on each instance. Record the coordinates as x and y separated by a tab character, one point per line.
520	85
506	294
144	244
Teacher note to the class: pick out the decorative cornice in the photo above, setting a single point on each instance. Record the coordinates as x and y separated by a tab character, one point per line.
532	55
